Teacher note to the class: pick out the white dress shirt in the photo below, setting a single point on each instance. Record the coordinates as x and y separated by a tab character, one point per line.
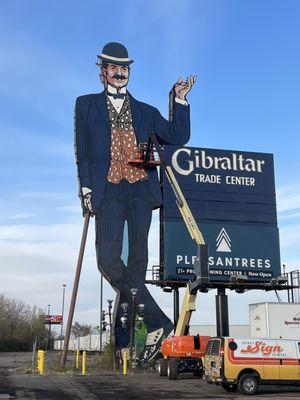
117	103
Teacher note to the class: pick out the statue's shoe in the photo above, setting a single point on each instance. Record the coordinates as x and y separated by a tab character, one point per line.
154	337
154	341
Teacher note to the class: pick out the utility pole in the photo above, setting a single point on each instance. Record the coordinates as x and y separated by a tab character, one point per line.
62	317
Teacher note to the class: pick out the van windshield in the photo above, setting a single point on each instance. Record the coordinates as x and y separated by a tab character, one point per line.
215	351
213	347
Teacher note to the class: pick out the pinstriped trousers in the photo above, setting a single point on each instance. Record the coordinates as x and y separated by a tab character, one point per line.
132	203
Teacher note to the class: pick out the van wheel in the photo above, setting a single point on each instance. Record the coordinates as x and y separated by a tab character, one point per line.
162	367
172	368
229	387
248	384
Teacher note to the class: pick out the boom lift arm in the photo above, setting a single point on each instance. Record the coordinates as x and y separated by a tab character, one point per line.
201	262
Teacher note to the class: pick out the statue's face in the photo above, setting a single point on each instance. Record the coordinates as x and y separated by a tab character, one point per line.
116	75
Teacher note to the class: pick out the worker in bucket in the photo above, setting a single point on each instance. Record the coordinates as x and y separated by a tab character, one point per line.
108	128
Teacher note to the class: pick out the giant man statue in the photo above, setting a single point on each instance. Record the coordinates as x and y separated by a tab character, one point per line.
108	128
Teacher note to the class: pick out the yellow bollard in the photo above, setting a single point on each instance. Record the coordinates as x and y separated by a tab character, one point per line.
77	359
42	371
84	363
38	360
41	362
124	362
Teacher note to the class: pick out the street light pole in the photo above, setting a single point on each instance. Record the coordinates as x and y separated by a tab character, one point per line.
132	323
49	330
101	308
62	316
110	319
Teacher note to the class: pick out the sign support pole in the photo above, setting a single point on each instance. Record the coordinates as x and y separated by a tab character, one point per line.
222	319
175	305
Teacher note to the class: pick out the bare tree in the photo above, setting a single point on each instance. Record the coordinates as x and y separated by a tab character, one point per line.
81	330
20	325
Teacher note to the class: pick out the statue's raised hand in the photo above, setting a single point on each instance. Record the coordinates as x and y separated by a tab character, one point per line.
182	87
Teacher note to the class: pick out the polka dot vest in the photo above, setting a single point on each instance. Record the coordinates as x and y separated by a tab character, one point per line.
123	145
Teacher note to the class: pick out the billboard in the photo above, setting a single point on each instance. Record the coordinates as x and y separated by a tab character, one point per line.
53	319
232	197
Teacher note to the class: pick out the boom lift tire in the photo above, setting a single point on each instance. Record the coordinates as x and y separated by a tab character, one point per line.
162	367
248	384
172	368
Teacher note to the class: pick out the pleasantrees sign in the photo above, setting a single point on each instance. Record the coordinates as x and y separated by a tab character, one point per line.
232	197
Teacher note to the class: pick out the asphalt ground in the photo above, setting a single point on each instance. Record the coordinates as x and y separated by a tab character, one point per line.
16	383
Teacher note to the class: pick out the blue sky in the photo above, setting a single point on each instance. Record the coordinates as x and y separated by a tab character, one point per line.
246	55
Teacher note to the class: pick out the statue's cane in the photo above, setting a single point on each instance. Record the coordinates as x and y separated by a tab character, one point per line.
75	288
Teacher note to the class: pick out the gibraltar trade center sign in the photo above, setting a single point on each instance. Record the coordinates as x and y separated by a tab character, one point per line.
232	197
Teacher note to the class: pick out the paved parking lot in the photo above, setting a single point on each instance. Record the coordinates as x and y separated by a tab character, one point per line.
109	386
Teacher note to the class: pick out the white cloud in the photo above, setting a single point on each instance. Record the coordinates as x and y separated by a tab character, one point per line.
56	233
289	238
70	208
288	197
21	216
289	216
42	195
36	260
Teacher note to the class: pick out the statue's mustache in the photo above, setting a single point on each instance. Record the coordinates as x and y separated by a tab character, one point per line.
119	77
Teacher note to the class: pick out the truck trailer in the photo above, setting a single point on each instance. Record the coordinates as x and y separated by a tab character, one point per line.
275	320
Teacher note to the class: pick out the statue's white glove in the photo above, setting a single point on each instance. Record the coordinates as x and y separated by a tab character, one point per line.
87	195
182	88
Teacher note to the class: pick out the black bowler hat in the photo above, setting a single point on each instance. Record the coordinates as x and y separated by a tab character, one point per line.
114	53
